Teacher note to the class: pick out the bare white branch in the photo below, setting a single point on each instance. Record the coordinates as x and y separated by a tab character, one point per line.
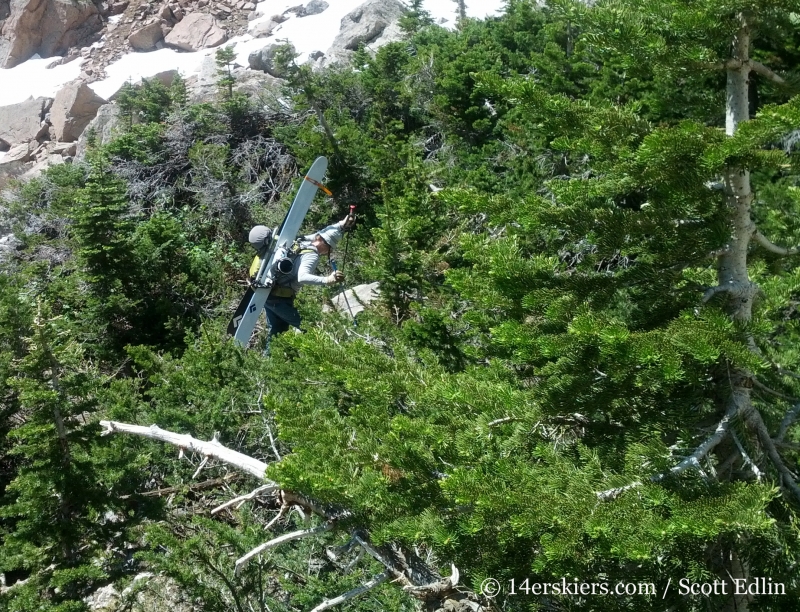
761	69
247	496
287	537
375	554
184	441
787	478
746	458
200	467
371	584
692	460
272	441
773	248
610	494
277	517
497	422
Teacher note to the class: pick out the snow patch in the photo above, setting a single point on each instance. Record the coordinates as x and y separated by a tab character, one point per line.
317	32
32	78
307	34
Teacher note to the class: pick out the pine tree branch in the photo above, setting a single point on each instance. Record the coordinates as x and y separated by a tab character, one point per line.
286	537
371	584
436	588
692	460
787	478
788	419
206	484
364	542
405	565
761	69
767	389
746	458
712	291
774	248
751	65
783	372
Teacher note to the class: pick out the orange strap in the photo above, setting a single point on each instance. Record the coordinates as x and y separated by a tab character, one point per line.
320	186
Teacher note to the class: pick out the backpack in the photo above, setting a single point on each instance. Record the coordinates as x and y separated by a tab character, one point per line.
283	270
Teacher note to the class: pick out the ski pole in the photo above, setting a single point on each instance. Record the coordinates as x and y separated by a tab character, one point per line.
344	294
347	239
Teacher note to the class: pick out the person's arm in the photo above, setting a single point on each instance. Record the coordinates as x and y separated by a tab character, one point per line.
307	266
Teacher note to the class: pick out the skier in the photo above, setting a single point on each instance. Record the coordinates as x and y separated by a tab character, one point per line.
280	308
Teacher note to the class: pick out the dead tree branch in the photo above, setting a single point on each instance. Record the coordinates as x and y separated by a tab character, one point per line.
286	537
371	584
186	442
242	498
692	460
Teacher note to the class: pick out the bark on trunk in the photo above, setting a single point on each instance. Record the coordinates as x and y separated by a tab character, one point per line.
732	270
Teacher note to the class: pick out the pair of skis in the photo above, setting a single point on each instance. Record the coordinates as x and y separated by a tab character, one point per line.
246	316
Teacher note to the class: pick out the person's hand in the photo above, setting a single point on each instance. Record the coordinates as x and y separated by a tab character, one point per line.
334	278
349	221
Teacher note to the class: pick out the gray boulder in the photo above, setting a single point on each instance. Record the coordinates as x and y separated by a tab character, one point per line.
263	29
74	106
46	27
353	301
315	7
147	37
264	59
41	165
13	163
104	126
367	23
196	31
24	121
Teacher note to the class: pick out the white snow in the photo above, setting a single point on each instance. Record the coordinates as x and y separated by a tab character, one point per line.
317	32
32	78
307	34
2	155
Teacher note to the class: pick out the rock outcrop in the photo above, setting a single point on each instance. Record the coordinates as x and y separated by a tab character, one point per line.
353	301
315	7
146	38
13	162
74	106
263	29
367	24
102	127
46	27
196	31
24	121
264	59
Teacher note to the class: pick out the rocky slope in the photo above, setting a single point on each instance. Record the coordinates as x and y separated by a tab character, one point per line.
97	37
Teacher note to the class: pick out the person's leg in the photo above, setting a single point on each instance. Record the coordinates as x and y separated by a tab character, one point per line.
284	309
281	314
277	324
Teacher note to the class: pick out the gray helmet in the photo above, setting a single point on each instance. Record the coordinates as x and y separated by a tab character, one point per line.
260	237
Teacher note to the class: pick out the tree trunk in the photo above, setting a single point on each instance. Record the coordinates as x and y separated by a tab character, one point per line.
732	272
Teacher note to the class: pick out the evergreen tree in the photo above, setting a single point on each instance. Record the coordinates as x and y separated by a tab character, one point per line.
55	504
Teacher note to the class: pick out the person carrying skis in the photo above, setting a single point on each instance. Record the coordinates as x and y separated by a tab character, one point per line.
280	308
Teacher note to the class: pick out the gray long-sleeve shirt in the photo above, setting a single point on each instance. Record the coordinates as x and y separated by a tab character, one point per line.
306	263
